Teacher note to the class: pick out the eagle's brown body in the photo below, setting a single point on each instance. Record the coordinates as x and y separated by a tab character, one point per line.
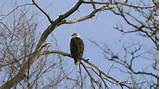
76	49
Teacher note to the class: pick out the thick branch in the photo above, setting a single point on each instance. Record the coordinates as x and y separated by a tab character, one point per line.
56	23
56	52
21	74
89	16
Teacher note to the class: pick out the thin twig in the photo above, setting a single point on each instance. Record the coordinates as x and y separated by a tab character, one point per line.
42	11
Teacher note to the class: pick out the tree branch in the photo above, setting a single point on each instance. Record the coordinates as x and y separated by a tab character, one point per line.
89	16
106	77
42	11
22	72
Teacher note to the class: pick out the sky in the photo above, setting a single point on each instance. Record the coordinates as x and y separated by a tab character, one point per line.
99	29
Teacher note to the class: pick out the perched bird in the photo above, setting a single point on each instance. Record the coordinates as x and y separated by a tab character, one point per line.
76	47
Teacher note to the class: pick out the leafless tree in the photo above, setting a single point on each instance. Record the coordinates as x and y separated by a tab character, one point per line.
24	59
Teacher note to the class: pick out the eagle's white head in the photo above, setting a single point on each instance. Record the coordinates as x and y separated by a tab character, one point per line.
75	35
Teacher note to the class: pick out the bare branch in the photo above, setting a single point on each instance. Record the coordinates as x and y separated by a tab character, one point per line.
15	10
22	72
89	16
42	11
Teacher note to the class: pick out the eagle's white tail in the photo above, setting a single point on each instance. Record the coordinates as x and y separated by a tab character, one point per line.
77	62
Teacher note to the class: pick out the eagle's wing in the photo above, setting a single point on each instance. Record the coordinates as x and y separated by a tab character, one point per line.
76	49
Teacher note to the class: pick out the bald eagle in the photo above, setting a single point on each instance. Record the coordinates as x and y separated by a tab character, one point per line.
76	48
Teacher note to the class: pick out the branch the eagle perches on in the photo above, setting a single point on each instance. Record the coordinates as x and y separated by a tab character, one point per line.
21	75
